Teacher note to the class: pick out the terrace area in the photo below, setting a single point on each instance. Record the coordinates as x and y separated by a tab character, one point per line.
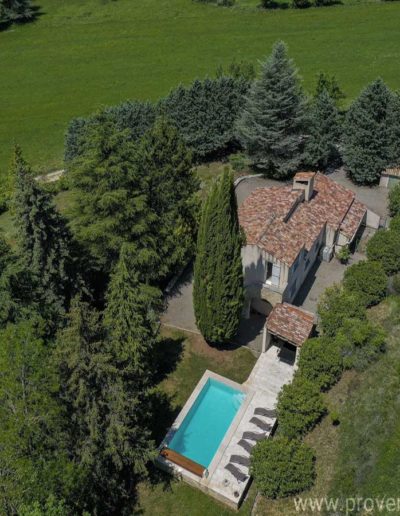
227	477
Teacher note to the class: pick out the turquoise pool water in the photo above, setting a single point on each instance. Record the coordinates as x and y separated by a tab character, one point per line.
207	421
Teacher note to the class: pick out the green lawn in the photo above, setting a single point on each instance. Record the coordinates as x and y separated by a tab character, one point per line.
82	54
184	358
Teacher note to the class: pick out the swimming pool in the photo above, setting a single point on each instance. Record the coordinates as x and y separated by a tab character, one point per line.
205	425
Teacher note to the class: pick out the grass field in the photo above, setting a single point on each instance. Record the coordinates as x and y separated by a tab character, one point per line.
82	54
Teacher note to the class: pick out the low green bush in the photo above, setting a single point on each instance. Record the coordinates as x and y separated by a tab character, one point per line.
334	417
282	467
337	304
384	247
320	362
344	254
394	200
360	343
396	283
395	223
368	279
300	407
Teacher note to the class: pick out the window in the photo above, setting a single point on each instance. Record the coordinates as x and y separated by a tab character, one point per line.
273	273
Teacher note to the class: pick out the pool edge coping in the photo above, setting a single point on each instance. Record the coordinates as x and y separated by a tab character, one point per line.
227	437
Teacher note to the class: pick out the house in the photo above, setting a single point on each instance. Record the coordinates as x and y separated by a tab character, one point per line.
288	227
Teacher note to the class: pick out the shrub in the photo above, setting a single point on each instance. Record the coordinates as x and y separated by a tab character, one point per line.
239	161
368	279
395	223
282	467
344	254
300	4
396	283
320	362
384	247
334	417
337	304
300	407
360	343
394	200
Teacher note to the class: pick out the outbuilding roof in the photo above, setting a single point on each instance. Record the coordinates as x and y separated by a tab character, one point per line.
290	323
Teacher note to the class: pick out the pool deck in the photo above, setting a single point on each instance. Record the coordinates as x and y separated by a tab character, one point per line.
262	387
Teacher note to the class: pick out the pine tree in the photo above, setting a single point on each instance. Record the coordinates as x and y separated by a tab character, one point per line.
131	318
109	202
218	275
272	125
324	132
109	414
45	243
331	85
367	135
34	450
16	11
393	122
164	163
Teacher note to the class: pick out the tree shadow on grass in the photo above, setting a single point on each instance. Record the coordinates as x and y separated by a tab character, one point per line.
167	355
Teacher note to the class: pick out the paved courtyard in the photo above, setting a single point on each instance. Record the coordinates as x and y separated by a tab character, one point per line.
321	276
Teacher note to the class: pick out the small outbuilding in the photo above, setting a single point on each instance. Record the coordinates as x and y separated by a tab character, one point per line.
390	177
287	327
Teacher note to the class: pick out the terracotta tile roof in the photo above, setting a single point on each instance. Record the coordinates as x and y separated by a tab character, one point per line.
279	222
352	220
290	323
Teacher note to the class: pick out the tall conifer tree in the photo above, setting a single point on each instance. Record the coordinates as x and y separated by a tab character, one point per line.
272	125
131	318
324	132
45	243
366	149
218	275
169	184
109	411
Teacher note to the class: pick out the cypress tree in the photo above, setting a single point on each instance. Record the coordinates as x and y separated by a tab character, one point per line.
218	275
366	148
324	132
45	243
272	125
205	113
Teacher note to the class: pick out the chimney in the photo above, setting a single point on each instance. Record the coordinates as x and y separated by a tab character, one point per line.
304	181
